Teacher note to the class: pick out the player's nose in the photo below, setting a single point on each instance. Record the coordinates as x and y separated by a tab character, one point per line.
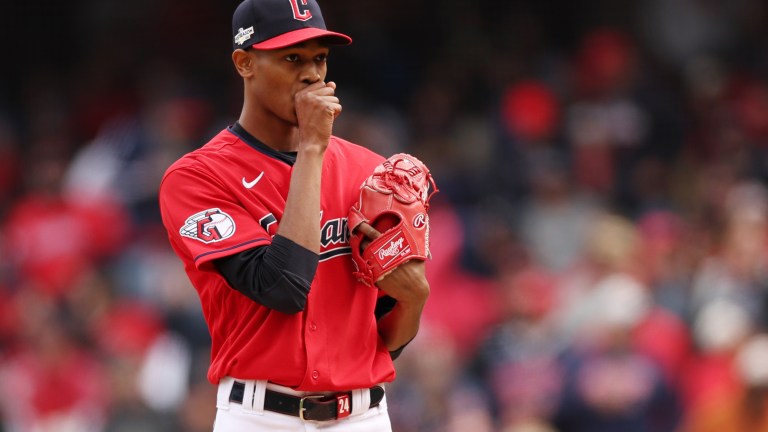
311	75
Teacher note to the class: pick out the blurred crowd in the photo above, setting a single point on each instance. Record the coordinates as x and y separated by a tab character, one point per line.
599	242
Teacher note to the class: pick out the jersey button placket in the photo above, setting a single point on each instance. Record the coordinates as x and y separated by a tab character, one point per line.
315	349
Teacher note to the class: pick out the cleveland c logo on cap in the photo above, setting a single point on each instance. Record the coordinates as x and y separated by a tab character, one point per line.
300	10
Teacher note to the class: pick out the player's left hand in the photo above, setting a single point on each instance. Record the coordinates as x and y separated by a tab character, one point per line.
407	283
388	223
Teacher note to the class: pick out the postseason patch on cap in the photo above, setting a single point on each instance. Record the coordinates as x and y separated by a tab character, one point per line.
243	35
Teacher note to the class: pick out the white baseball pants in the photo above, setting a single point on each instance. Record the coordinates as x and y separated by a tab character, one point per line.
251	416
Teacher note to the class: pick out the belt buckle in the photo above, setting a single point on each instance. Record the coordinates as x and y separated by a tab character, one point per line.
301	404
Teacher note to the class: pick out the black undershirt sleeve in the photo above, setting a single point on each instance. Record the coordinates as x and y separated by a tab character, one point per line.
384	305
277	276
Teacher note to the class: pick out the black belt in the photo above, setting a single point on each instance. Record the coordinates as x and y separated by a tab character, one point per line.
312	407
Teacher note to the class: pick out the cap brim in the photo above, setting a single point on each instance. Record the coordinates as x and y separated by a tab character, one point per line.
301	35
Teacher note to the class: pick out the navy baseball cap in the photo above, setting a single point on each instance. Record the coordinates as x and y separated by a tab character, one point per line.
273	24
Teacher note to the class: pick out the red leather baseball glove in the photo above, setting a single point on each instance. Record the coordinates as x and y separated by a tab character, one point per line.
394	200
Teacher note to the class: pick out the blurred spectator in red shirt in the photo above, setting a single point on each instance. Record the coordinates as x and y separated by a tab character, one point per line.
720	327
745	408
51	239
51	381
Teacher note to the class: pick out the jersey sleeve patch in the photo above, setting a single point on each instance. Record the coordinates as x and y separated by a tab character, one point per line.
209	226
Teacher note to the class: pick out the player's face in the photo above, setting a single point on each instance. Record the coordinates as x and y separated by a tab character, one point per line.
281	73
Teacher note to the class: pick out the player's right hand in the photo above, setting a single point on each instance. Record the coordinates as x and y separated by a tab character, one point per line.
316	108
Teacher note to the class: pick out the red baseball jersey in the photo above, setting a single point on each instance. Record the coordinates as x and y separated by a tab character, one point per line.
229	196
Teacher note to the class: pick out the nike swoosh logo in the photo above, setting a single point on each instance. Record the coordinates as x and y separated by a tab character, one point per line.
252	183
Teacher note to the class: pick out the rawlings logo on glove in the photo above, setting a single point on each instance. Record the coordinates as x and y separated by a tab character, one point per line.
394	200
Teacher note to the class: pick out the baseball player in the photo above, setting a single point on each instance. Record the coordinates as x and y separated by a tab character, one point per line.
258	216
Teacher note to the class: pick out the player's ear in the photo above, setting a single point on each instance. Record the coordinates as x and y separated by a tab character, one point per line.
243	62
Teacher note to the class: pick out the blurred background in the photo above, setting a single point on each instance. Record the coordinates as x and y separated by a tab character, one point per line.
599	240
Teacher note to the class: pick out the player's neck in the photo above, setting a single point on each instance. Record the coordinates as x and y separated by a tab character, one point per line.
273	132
